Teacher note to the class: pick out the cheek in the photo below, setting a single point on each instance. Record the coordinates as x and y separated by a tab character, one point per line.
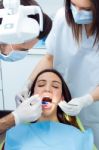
57	95
37	91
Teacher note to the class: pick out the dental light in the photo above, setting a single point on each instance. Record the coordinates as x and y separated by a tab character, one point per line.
16	27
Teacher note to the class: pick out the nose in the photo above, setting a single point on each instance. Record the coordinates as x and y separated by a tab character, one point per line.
48	88
6	49
78	8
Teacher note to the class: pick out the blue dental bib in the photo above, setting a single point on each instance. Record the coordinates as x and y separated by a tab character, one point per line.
48	135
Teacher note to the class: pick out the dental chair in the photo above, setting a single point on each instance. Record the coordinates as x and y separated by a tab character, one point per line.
2	137
82	129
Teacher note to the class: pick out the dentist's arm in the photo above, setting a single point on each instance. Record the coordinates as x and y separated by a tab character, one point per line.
74	106
6	122
45	63
95	94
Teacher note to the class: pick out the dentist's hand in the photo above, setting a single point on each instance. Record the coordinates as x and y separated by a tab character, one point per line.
24	94
74	106
29	110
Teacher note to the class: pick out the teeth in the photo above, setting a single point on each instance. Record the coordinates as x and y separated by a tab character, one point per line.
46	100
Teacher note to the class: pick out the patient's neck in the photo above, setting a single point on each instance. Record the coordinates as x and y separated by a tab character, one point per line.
51	118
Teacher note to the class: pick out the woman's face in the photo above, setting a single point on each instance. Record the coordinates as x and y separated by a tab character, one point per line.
82	4
49	85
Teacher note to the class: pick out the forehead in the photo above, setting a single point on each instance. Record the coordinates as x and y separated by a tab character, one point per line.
82	3
49	76
23	46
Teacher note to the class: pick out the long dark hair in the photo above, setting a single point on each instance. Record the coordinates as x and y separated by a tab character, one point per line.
66	94
77	29
47	22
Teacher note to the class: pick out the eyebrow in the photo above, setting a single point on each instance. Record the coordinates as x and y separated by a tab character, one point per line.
2	47
41	80
56	82
52	81
23	49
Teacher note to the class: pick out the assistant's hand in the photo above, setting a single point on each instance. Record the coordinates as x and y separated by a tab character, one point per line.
29	110
74	106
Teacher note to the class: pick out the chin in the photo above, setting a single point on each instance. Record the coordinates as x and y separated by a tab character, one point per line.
46	114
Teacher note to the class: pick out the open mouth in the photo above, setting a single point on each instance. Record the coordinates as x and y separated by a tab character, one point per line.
46	100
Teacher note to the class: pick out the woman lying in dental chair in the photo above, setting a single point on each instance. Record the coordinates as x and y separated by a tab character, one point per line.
53	129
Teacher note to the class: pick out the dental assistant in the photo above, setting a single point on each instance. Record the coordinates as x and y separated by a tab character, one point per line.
73	49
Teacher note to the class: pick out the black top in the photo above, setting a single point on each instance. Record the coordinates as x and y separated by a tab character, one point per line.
4	113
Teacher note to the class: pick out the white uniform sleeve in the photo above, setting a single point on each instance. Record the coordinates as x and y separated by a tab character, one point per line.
51	39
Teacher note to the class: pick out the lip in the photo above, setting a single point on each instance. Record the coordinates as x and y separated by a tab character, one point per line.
47	106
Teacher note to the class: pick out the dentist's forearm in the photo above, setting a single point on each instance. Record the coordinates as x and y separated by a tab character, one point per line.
6	122
95	94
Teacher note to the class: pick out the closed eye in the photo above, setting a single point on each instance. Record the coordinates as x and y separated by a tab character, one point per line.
41	85
56	87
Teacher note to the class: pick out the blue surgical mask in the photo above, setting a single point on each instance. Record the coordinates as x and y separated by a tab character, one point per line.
81	16
13	56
